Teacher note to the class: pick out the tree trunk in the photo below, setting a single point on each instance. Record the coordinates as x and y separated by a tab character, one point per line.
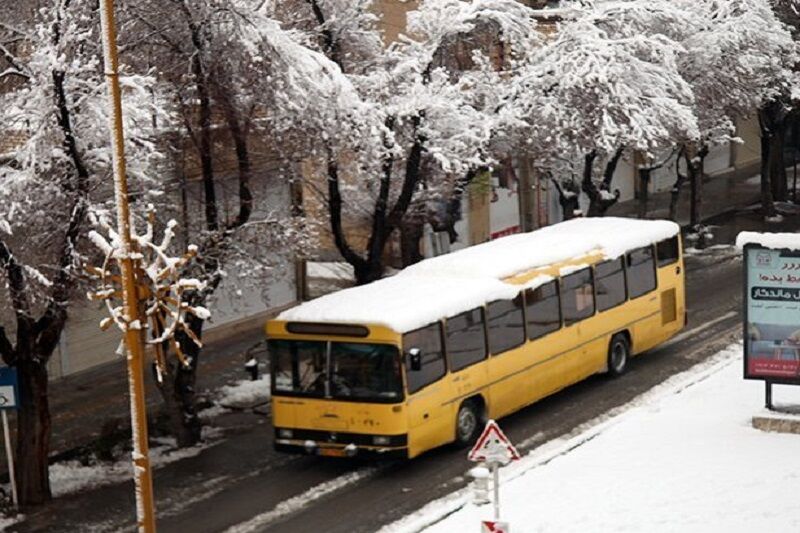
368	271
600	199
771	119
411	233
675	194
693	167
568	200
644	191
777	164
33	431
767	199
178	390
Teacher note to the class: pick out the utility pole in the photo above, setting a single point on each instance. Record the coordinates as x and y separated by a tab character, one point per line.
134	341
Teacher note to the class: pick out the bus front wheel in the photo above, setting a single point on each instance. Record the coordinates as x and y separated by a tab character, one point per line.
619	351
467	424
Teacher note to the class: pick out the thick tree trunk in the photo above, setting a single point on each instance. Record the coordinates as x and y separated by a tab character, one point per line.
369	271
568	200
777	164
178	390
600	198
771	119
33	431
767	198
411	233
675	192
675	195
644	191
694	169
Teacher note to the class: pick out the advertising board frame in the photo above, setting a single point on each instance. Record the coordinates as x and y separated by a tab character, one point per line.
748	249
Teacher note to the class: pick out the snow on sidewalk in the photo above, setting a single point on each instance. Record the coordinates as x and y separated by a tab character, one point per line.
683	457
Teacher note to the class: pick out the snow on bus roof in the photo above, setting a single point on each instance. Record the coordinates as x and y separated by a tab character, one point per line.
561	242
401	303
776	241
446	285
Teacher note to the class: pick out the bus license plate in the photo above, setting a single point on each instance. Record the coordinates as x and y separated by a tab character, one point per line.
332	452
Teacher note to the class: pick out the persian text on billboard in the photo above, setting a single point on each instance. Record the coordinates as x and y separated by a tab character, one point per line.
773	315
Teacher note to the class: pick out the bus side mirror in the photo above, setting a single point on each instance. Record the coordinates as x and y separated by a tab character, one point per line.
415	359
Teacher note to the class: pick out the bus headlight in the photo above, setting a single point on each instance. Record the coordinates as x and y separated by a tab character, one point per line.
285	433
381	441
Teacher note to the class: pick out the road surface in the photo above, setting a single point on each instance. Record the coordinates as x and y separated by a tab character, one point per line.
241	485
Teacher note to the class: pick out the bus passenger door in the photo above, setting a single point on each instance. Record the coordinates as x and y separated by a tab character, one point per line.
427	418
425	370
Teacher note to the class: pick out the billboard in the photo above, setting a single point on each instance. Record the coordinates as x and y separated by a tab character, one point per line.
772	314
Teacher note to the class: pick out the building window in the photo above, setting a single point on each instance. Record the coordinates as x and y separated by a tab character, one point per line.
610	281
506	326
542	310
577	296
641	272
428	341
466	339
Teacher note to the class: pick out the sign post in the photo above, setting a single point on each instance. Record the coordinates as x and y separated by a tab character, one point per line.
771	309
494	449
9	399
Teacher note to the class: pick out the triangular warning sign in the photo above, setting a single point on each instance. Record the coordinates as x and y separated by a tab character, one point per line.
493	446
495	527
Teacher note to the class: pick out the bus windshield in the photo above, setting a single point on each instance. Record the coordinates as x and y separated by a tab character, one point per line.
341	370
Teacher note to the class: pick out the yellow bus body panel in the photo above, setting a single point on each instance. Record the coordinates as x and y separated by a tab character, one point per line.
506	382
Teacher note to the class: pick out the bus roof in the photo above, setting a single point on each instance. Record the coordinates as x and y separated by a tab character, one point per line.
446	285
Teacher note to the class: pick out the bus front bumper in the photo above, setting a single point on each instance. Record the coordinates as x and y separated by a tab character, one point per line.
328	444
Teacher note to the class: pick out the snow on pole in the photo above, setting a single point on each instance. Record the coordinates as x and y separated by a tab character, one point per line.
145	508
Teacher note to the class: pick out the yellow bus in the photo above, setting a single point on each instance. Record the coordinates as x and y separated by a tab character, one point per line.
421	359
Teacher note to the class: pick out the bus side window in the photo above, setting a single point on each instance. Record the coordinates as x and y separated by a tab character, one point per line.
428	340
506	325
543	311
466	342
577	296
610	281
667	251
641	271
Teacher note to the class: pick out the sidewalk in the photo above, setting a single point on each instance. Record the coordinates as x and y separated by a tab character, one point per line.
80	404
720	195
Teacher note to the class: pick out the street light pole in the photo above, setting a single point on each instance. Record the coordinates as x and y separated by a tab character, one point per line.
134	341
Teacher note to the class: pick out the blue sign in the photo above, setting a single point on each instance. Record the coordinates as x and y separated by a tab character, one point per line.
9	391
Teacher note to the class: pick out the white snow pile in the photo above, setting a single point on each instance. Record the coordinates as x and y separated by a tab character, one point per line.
330	270
683	457
245	392
68	477
450	284
775	241
8	521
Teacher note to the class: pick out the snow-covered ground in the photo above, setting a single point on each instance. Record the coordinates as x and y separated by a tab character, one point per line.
67	477
682	457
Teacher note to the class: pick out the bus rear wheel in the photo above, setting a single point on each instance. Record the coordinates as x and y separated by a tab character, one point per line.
619	351
467	424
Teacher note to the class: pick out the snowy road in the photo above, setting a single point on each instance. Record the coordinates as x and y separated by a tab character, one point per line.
241	485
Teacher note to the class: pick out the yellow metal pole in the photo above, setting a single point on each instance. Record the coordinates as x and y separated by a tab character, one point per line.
134	341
